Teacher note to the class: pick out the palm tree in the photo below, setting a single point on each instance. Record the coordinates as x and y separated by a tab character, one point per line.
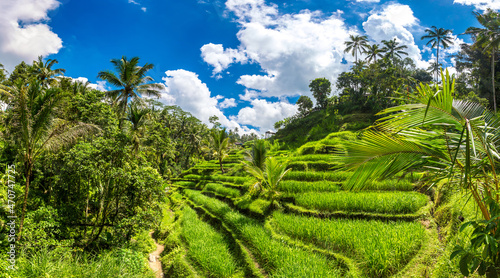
219	144
44	72
131	81
373	51
268	177
434	67
438	36
455	138
355	45
258	154
138	118
488	38
392	48
34	127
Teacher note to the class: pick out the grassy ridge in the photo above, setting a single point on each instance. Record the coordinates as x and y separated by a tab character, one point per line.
381	247
291	186
206	246
317	176
222	190
279	260
377	202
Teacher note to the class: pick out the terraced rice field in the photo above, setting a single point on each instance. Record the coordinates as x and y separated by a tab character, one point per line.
319	228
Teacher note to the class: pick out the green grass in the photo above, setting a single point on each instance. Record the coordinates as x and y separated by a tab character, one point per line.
376	202
382	248
222	190
231	179
390	185
64	262
305	186
185	183
312	165
317	176
206	246
277	258
311	157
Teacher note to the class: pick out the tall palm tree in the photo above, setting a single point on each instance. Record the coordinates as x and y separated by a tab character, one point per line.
131	82
355	45
34	127
373	52
44	72
392	48
488	38
268	177
438	36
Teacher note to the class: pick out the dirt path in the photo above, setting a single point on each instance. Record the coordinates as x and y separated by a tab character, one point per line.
154	259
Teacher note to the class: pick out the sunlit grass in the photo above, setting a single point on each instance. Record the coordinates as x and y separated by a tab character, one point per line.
381	247
277	258
206	246
376	202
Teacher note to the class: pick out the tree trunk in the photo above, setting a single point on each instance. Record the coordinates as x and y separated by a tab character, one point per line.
493	79
29	166
437	63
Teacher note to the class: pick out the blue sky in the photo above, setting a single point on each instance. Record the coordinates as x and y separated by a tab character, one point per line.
246	61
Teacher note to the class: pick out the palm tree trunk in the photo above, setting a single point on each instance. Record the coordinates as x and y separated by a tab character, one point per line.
493	79
437	62
28	170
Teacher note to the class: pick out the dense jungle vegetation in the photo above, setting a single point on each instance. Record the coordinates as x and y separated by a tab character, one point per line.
393	177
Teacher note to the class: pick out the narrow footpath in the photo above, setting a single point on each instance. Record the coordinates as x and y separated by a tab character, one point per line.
154	259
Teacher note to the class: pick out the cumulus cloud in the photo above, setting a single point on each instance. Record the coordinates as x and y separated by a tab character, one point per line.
228	102
264	114
185	89
291	49
368	1
220	58
23	34
480	4
101	85
395	21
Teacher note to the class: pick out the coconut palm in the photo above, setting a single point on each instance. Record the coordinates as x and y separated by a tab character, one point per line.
219	145
257	155
437	37
131	82
269	177
392	48
373	52
34	127
355	45
455	138
488	38
44	72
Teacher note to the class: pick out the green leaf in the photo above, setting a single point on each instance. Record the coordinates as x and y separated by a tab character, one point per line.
463	264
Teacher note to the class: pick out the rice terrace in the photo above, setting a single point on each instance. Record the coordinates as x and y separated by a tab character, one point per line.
349	139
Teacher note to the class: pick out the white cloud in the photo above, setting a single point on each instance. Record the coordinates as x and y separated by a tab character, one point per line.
185	89
144	9
395	21
101	85
264	114
249	95
220	59
368	1
480	4
291	49
23	34
227	103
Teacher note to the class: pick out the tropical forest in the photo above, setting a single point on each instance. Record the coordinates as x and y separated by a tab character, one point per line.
387	171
